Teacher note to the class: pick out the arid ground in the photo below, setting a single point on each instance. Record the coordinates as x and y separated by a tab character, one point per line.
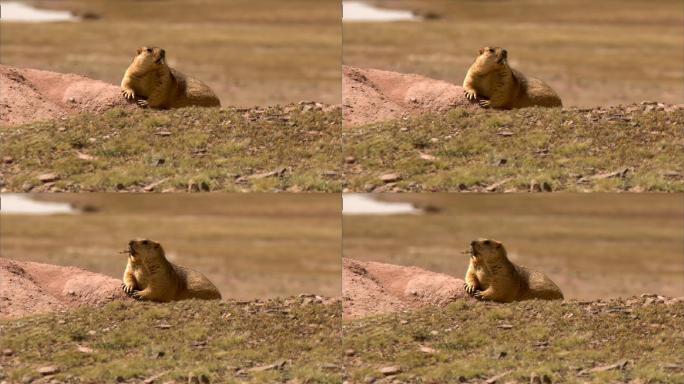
592	245
251	53
591	52
249	245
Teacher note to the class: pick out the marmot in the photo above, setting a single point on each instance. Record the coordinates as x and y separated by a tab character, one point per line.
149	276
491	81
491	276
150	80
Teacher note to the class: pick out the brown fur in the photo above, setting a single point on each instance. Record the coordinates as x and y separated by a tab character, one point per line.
491	276
149	276
494	84
150	80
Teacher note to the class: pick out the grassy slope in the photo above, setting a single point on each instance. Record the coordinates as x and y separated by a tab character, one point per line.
592	53
543	145
220	340
209	146
472	342
250	52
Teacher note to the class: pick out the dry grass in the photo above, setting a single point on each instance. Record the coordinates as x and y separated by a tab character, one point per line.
592	52
484	150
249	245
592	245
620	341
227	342
294	148
250	53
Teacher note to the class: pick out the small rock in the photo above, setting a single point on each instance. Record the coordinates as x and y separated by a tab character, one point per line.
7	159
48	177
83	349
535	186
349	352
505	326
84	156
390	177
163	133
505	133
48	370
7	352
163	326
427	350
427	157
193	186
277	173
497	185
350	159
92	332
275	366
391	370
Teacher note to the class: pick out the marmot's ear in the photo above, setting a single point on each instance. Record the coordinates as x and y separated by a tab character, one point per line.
504	53
139	50
481	51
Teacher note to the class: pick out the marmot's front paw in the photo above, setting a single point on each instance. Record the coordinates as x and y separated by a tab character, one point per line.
478	295
485	103
127	289
143	103
128	94
136	295
470	94
470	289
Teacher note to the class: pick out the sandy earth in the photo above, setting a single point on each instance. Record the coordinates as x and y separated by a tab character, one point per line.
28	95
28	288
371	95
371	288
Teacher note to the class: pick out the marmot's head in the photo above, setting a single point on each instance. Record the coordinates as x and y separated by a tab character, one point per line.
486	250
492	57
141	250
150	56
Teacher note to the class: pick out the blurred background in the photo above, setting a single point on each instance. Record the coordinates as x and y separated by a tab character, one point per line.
249	52
596	245
249	245
592	53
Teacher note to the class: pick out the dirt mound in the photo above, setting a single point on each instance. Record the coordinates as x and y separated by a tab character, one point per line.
28	288
372	95
371	288
28	95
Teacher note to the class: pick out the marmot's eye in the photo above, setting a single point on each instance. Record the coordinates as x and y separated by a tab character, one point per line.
491	50
149	50
145	242
487	242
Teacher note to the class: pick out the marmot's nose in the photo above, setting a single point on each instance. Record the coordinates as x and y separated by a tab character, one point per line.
130	243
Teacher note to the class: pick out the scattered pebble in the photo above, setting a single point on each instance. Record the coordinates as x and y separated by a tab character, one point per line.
48	370
391	370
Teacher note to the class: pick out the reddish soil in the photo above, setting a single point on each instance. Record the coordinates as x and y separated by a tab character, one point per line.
28	95
371	288
28	288
372	95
